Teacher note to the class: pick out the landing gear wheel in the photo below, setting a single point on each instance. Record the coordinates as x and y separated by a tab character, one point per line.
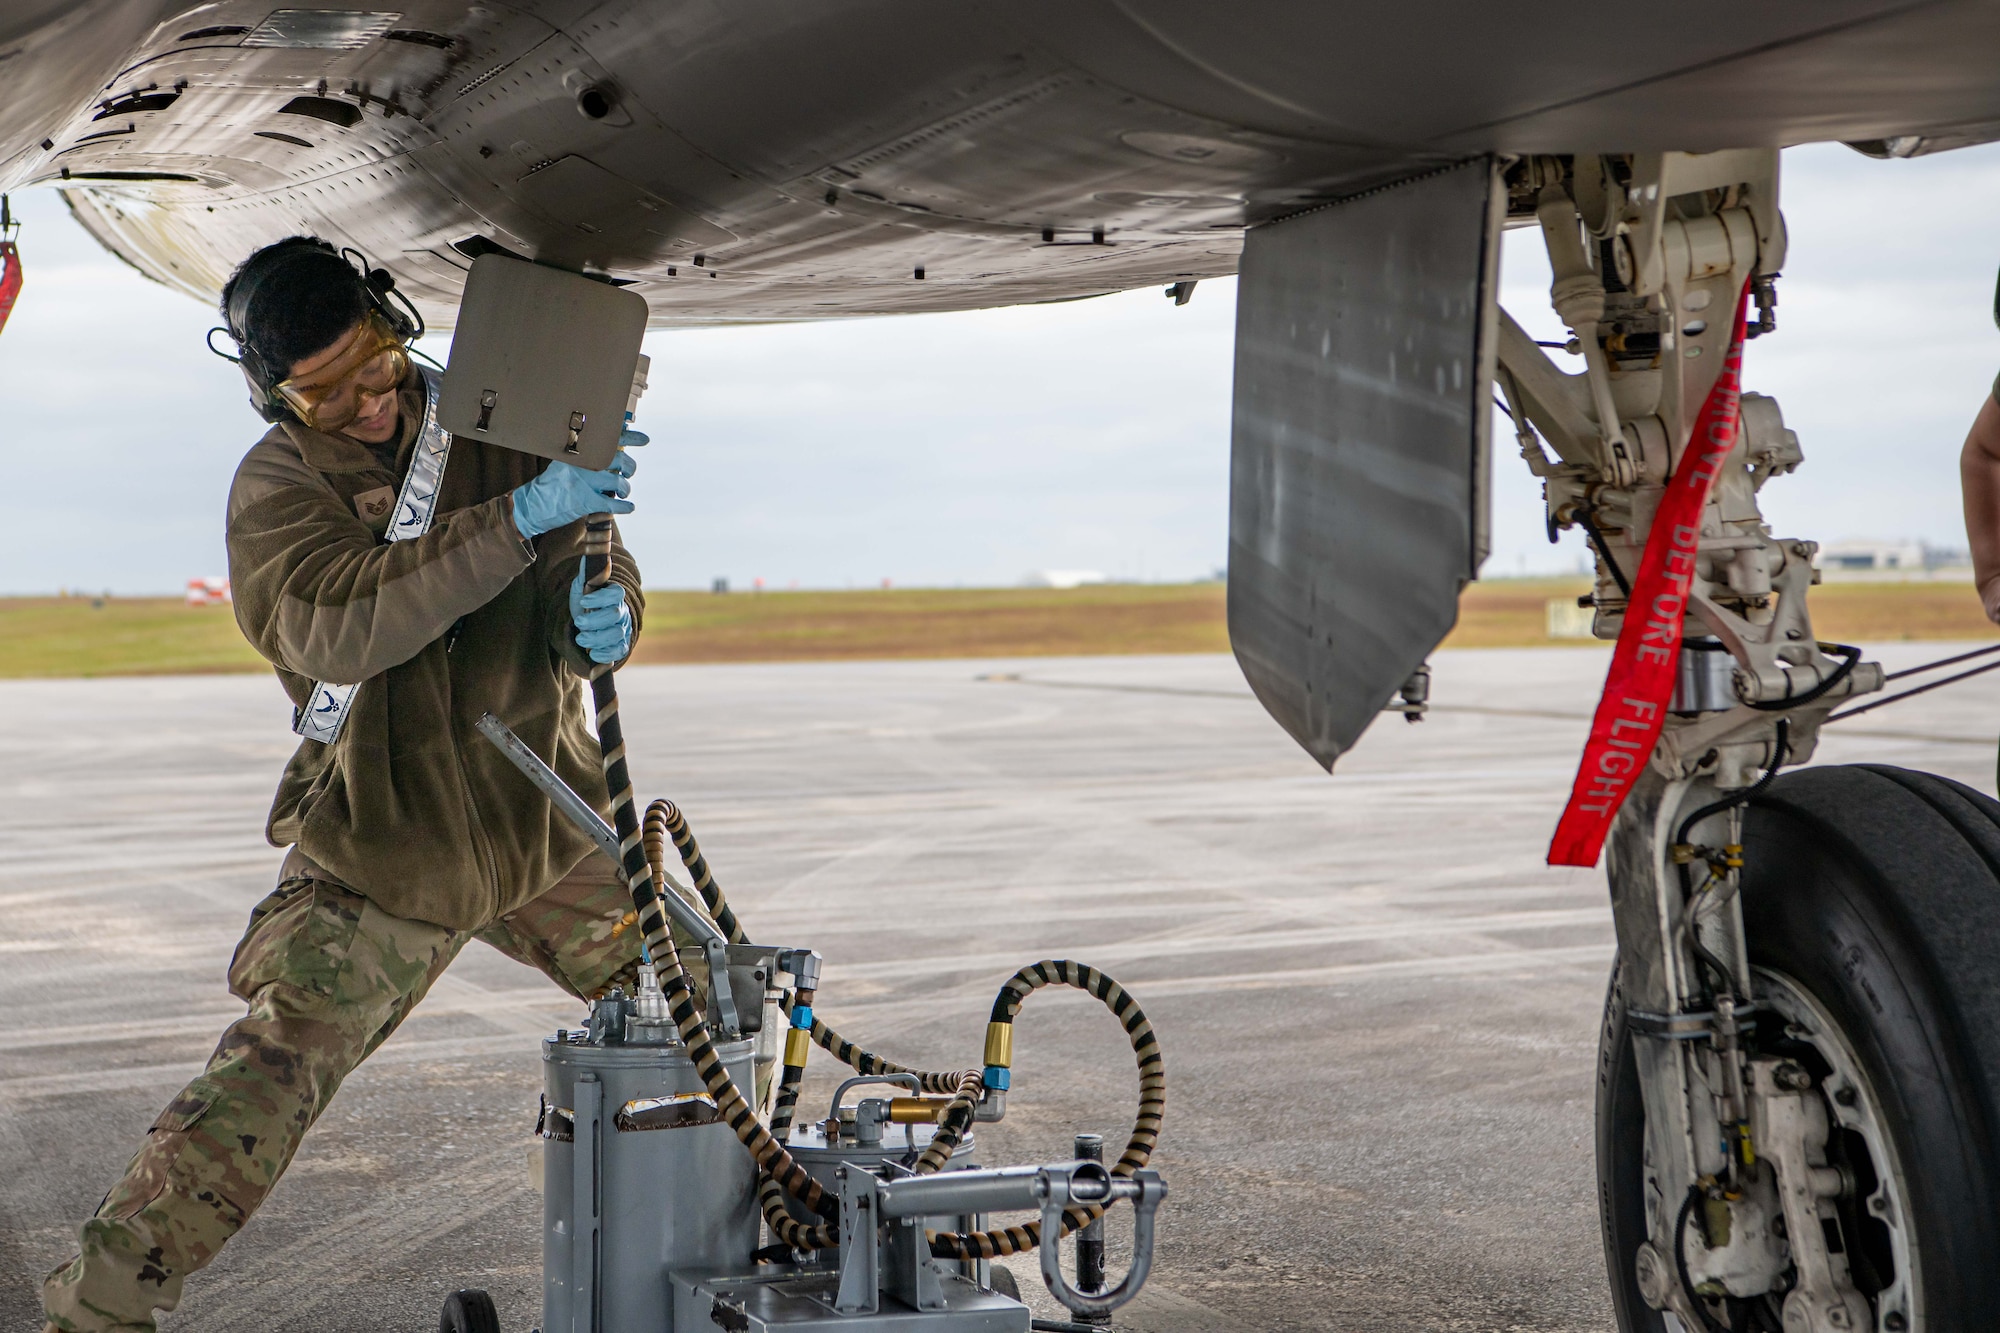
469	1311
1871	902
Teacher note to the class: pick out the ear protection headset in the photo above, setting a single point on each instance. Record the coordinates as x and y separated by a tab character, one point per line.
262	374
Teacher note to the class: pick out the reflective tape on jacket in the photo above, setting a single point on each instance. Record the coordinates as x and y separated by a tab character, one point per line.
325	712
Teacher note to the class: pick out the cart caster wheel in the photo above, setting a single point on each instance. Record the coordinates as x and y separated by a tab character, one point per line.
469	1311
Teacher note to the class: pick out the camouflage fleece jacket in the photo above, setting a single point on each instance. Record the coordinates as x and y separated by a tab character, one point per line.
411	806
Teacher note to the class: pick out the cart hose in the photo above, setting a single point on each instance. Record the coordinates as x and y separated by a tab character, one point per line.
664	821
639	872
779	1173
999	1060
664	818
675	826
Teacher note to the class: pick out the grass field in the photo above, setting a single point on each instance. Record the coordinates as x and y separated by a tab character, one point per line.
48	636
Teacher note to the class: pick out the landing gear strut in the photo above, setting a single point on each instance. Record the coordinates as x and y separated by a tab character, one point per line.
1798	1128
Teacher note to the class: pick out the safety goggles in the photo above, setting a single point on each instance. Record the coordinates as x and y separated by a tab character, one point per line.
373	363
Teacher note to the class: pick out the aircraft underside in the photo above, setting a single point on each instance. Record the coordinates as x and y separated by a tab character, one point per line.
1797	1110
755	162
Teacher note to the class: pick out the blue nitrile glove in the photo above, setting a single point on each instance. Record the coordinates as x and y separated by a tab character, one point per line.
603	623
632	439
564	493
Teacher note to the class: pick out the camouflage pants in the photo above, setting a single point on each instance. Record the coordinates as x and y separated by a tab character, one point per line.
327	976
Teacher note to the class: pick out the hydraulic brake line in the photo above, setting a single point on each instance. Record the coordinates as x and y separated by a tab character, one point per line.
664	820
1587	520
1731	856
1708	1321
1743	797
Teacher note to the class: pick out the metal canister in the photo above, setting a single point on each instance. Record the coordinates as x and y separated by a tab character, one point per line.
641	1176
1704	679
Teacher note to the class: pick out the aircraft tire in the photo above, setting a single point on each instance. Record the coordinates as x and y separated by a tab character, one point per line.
1871	898
469	1311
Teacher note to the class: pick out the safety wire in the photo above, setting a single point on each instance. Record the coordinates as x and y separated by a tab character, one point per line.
665	822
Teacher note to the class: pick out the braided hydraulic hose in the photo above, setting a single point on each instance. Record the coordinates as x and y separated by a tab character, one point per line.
664	821
866	1062
675	825
665	818
999	1060
771	1157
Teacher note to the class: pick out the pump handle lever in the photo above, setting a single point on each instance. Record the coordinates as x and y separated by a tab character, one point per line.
1058	1189
579	813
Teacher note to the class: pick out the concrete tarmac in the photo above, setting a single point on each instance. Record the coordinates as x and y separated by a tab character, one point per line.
1378	1006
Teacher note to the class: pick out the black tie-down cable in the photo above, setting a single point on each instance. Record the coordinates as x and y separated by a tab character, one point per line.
1921	689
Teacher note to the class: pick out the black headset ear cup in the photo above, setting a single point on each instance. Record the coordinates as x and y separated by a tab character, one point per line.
257	372
263	392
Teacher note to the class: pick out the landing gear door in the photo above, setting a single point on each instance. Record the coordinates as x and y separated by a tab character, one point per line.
1358	470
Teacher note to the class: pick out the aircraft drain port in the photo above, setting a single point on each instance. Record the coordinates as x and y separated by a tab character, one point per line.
596	102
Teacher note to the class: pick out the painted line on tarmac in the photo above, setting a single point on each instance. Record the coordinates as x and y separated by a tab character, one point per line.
978	996
433	1049
512	1011
393	1052
1017	678
1207	943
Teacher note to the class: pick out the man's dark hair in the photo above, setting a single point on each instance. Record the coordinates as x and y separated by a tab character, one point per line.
301	296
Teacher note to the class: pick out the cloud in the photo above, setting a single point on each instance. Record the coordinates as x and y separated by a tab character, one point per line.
975	448
927	449
1884	350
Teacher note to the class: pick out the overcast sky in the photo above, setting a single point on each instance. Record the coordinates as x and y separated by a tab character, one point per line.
976	448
